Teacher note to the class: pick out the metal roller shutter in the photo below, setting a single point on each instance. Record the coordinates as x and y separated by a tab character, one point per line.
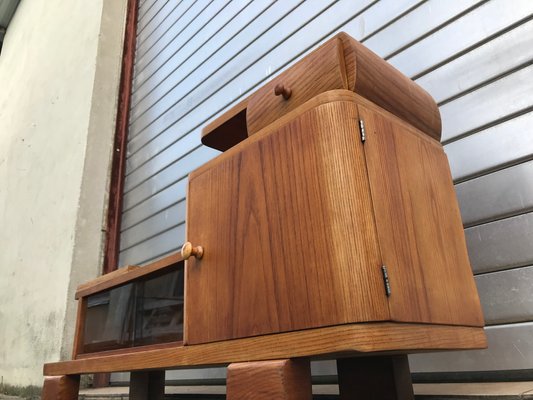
196	59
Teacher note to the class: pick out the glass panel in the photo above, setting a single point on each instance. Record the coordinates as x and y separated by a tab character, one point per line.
147	311
109	319
159	316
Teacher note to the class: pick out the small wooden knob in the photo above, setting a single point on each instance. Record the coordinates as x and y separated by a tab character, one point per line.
188	250
280	89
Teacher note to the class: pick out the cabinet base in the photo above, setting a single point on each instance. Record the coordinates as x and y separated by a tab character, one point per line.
351	340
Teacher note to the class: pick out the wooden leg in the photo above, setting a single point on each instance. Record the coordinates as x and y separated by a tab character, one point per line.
147	385
64	387
101	380
267	380
375	378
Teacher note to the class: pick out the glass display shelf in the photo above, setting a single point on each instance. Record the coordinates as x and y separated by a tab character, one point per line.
146	311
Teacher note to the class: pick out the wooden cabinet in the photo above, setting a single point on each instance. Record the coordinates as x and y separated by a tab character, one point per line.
289	240
307	224
327	228
332	203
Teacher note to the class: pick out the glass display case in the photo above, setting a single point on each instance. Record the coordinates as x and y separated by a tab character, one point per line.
145	311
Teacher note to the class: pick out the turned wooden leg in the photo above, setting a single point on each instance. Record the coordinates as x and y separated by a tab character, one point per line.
147	385
267	380
64	387
375	378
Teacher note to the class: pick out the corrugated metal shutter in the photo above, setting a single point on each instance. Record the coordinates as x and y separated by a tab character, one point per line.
196	59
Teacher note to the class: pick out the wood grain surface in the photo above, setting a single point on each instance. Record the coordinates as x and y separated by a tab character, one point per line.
126	274
128	350
79	329
419	226
267	380
63	387
320	343
340	63
322	98
378	81
289	237
320	71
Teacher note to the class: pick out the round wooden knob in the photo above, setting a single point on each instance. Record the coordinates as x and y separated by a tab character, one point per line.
280	89
188	250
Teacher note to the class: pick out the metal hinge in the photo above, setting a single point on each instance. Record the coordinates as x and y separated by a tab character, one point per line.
362	130
386	280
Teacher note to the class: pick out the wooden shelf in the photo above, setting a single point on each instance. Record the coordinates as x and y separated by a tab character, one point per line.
322	343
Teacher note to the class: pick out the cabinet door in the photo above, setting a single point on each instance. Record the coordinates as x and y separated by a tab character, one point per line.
419	226
286	222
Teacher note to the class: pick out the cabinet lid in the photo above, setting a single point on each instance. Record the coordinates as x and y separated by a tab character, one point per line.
340	63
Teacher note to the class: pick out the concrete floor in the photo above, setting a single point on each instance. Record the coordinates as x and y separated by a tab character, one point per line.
441	391
490	391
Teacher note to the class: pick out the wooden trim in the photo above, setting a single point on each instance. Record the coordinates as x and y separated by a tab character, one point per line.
129	350
118	166
102	282
126	274
331	342
79	330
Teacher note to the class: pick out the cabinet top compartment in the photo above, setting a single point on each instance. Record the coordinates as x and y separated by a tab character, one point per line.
340	63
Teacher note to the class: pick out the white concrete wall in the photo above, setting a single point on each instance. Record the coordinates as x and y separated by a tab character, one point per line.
59	76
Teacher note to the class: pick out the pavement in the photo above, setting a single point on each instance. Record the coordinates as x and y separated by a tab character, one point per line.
426	391
440	391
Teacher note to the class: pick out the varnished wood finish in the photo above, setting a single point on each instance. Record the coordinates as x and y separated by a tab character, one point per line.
323	98
147	385
289	230
329	342
267	380
376	80
104	281
282	90
320	71
128	350
126	274
63	387
79	329
375	378
189	250
340	63
419	226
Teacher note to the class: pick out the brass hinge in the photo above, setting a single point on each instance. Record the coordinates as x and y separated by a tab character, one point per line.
362	130
386	280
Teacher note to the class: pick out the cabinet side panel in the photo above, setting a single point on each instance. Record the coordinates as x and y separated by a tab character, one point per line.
419	225
289	237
